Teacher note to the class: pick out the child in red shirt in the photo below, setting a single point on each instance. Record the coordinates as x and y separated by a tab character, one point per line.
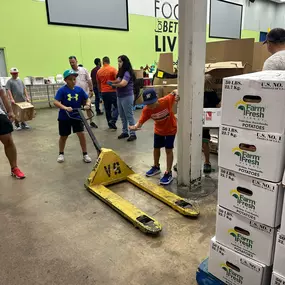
165	129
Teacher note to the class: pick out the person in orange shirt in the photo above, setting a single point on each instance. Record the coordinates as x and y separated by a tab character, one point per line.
165	129
109	95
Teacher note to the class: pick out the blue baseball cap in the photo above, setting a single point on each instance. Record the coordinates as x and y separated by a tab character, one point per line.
69	72
149	96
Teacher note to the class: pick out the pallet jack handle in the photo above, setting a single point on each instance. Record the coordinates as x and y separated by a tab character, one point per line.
87	126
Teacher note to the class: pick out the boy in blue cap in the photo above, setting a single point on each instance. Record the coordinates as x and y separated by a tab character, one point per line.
67	98
165	129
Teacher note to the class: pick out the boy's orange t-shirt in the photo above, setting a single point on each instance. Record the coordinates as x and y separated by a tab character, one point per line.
165	123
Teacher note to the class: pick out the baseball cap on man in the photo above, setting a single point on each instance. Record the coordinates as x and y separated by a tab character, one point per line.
69	72
275	36
14	70
149	96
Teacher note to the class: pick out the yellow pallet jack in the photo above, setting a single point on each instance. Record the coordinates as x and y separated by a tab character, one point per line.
111	169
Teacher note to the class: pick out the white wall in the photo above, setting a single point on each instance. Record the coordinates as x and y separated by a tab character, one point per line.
258	16
280	16
152	7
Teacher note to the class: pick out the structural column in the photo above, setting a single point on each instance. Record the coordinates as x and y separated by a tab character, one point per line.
192	53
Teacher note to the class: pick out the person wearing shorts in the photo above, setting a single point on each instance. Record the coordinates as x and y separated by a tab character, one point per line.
68	98
211	100
84	81
165	129
17	92
6	129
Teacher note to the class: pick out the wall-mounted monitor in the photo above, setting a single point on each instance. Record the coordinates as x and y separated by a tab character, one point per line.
225	19
104	14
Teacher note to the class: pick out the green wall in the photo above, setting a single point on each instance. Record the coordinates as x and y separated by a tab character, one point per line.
39	49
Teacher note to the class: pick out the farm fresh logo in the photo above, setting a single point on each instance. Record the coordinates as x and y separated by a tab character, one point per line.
240	239
242	200
246	157
230	273
250	110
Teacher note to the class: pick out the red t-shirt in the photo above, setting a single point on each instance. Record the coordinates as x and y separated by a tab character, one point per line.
165	123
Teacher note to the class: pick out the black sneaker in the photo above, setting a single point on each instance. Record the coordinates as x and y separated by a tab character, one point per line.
100	113
175	167
207	168
123	136
24	126
132	138
93	125
112	126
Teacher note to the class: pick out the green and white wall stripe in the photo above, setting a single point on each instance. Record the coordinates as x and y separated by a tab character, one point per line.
39	49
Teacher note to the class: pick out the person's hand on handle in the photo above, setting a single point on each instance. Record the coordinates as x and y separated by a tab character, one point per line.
87	107
13	102
11	116
175	93
68	109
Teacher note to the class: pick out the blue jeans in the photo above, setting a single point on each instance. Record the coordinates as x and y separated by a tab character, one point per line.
125	106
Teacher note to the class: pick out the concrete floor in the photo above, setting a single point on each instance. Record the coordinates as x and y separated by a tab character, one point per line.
55	232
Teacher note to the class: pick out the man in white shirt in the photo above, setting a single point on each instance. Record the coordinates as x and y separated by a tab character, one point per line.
276	46
6	129
84	81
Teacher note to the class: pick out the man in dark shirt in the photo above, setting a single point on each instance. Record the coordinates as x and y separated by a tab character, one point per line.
94	71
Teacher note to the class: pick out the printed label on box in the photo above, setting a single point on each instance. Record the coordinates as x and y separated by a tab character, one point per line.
212	117
252	239
255	101
235	269
277	279
279	260
247	152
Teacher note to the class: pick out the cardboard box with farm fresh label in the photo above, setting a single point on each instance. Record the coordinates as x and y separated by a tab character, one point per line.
277	279
255	101
235	269
252	239
249	197
279	260
253	153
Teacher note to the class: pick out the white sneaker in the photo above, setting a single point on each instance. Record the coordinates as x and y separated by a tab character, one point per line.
87	158
60	158
17	127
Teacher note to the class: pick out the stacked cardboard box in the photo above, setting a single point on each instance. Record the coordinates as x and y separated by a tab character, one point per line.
278	276
251	161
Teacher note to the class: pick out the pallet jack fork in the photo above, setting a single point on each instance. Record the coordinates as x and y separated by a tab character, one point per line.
111	169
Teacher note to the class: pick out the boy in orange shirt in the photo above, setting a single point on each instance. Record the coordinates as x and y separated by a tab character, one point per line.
165	129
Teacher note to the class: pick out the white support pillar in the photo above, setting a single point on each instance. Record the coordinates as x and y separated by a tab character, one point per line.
192	53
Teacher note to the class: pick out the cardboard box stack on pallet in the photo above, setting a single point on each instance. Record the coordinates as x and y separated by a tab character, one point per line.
250	192
278	276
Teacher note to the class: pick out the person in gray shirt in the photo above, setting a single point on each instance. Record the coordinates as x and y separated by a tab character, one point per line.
276	46
17	93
